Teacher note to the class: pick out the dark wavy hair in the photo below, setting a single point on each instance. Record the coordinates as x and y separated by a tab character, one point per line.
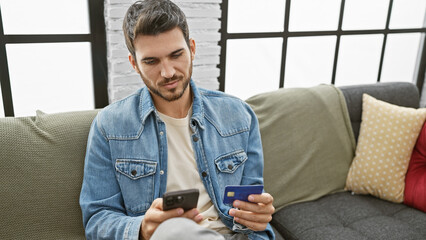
152	17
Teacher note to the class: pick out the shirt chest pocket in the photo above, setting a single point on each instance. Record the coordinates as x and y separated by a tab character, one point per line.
136	180
135	169
231	162
230	168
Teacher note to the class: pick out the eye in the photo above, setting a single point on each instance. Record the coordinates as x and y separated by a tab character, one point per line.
150	62
177	55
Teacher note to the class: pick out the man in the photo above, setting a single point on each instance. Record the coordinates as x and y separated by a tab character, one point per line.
170	136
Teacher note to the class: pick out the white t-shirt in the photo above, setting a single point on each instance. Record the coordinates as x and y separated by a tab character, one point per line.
182	171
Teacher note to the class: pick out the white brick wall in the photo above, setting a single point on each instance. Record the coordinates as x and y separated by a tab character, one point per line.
204	24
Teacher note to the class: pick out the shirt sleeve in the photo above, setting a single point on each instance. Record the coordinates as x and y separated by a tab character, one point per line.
253	169
101	202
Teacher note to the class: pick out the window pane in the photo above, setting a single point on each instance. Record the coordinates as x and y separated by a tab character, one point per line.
1	104
256	16
359	59
52	77
325	14
45	16
252	66
408	14
365	14
309	61
400	57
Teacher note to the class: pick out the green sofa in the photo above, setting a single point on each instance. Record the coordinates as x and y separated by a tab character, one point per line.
308	135
41	171
309	139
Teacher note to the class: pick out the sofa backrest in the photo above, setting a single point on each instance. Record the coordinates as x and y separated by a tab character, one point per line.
41	170
399	93
308	143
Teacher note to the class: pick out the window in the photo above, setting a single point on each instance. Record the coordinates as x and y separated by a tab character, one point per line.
54	55
271	44
1	104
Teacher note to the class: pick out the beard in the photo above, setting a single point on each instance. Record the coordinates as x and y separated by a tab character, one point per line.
171	94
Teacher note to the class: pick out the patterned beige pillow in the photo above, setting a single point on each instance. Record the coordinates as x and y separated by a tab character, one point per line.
386	140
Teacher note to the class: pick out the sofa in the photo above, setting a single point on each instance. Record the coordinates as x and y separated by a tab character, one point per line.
309	139
309	143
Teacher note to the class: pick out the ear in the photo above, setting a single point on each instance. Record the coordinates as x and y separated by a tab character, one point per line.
192	48
132	61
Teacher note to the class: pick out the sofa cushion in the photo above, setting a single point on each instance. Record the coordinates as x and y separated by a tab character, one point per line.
386	140
350	217
308	143
403	94
41	170
415	179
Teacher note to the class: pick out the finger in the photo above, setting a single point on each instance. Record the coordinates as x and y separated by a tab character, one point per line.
159	216
252	225
264	198
250	216
156	214
191	213
254	207
157	203
194	215
172	213
198	218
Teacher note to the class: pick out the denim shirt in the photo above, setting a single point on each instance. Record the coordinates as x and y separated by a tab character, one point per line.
126	160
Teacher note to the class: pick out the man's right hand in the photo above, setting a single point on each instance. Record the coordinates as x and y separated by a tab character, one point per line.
155	216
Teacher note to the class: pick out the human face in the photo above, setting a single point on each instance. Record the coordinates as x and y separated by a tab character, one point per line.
164	62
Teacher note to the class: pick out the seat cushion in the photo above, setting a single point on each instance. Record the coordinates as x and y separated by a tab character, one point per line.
346	216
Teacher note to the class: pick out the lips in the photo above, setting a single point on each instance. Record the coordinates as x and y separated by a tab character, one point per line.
171	85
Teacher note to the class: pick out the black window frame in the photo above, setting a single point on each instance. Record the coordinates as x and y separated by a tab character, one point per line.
421	67
97	38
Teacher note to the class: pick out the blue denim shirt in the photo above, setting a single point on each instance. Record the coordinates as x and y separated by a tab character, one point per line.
126	160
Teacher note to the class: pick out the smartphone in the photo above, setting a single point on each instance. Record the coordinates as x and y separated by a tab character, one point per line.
240	192
186	199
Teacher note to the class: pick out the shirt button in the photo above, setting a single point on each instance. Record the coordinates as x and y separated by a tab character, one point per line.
134	172
161	172
161	133
195	138
204	174
230	167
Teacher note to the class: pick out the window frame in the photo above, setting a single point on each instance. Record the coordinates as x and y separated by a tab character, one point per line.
96	37
421	60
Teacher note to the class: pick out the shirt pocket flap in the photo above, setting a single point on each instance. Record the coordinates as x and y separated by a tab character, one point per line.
230	162
134	168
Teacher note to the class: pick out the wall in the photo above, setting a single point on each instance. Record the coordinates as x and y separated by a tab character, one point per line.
204	24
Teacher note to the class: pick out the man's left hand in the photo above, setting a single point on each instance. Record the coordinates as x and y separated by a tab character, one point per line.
255	214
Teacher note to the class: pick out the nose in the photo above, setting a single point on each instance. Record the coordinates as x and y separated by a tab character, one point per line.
167	70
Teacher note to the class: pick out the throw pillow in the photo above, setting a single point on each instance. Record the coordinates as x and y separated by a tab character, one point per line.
307	140
386	140
415	179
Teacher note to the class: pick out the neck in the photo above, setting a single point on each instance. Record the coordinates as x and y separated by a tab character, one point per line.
175	109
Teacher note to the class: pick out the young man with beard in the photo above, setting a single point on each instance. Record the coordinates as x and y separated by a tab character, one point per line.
171	135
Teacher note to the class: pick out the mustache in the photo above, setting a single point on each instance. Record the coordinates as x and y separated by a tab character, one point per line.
168	80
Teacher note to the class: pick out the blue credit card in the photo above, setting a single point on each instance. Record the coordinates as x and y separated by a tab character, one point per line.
241	192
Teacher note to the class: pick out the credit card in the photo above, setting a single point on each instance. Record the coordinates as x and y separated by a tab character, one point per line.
240	192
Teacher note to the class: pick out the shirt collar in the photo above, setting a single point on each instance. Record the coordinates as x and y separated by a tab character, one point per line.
146	105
